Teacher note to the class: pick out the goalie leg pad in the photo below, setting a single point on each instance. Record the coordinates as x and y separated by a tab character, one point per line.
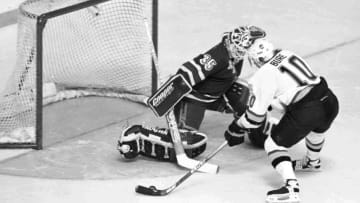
157	143
129	142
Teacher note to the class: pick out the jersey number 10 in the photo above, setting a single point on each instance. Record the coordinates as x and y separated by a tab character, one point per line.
298	70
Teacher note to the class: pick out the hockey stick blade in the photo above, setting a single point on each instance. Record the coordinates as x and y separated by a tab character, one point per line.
153	191
188	163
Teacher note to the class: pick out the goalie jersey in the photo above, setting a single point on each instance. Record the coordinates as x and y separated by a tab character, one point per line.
211	73
278	83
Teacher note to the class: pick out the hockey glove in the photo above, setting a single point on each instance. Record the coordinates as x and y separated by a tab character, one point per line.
235	134
237	97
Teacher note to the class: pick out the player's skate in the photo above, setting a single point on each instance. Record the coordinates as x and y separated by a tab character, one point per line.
289	193
306	164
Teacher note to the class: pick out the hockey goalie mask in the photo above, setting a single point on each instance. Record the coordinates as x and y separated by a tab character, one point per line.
237	42
241	38
261	52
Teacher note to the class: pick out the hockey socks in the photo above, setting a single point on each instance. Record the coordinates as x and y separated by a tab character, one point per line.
157	143
281	161
285	169
311	162
314	144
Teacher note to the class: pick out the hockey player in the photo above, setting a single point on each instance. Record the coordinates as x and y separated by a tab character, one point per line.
213	77
285	81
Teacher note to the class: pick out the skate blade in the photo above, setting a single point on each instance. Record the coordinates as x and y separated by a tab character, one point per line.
307	170
283	199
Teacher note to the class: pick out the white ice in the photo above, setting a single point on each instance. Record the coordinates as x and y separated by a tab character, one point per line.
327	33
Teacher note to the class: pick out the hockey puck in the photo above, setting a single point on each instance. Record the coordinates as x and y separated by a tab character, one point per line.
124	148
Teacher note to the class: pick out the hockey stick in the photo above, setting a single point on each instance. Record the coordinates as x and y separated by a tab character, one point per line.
153	191
181	157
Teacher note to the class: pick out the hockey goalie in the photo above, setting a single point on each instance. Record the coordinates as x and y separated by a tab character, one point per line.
209	81
157	142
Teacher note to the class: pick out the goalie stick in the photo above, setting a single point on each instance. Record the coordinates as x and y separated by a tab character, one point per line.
181	157
153	191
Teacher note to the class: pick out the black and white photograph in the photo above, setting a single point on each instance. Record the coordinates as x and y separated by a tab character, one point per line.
179	101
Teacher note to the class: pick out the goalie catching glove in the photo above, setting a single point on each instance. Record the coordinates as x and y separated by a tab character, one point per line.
157	143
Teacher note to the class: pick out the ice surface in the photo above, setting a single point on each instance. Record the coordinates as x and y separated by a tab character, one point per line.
326	32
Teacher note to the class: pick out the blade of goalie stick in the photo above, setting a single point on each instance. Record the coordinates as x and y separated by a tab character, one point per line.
181	157
153	191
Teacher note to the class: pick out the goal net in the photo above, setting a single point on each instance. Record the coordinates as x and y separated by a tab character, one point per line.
74	48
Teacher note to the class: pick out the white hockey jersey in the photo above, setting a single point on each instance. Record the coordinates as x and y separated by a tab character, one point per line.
277	83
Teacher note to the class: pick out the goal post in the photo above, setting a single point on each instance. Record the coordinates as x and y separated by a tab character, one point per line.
74	48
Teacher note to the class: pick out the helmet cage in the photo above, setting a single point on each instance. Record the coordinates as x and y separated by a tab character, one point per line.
240	37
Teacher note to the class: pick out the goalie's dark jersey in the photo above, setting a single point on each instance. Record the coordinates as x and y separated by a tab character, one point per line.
211	74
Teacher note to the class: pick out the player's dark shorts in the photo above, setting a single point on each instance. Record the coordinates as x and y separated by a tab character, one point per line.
313	113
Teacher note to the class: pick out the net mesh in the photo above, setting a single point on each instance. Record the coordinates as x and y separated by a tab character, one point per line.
100	50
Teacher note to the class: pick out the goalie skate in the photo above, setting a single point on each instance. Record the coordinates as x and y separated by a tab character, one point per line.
289	193
307	165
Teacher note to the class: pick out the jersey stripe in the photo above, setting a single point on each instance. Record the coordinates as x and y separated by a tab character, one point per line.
189	75
198	68
277	156
202	98
254	118
188	65
314	147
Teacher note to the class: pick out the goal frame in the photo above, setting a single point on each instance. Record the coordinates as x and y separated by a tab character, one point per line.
41	21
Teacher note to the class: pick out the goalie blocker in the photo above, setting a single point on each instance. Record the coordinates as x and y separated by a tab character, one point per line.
170	93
